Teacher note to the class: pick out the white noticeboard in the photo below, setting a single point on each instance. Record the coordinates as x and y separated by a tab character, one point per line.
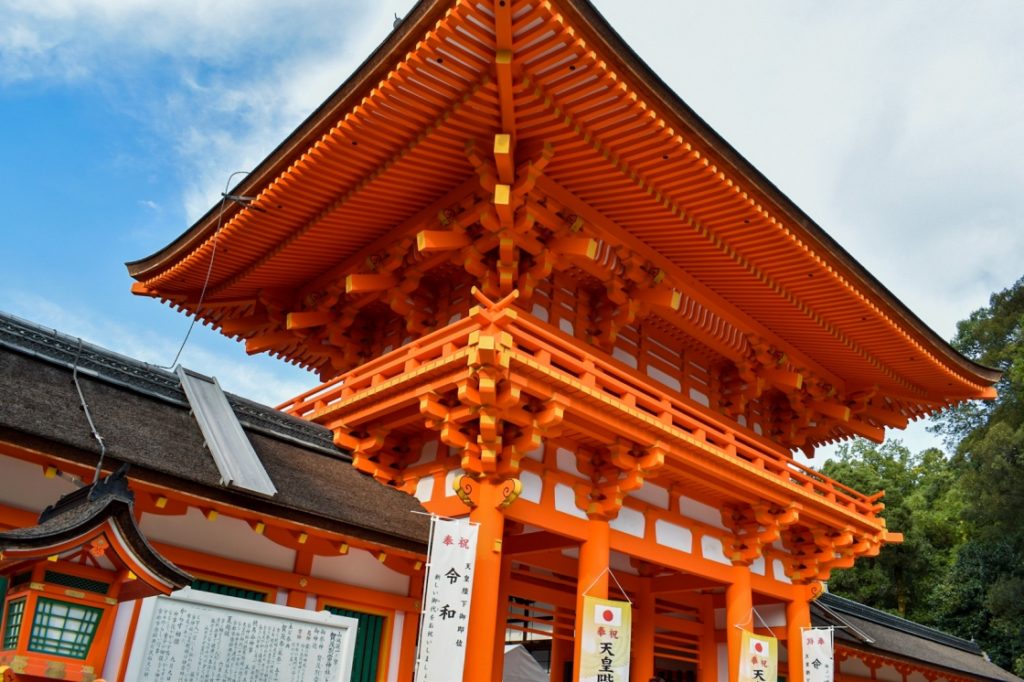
204	637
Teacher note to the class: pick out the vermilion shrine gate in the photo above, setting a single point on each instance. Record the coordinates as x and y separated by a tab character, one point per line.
541	291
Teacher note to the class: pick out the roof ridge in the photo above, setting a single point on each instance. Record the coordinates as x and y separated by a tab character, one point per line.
857	609
99	363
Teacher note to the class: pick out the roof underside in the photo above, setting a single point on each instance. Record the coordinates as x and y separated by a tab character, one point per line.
389	150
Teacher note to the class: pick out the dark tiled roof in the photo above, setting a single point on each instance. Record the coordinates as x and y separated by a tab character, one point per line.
875	631
143	416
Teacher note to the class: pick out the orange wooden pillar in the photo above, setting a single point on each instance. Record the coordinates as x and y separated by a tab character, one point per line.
559	650
592	578
502	618
798	617
410	627
739	611
303	566
707	669
641	668
484	606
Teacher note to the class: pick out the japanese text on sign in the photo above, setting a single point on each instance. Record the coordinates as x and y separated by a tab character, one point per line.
604	648
444	624
818	660
209	637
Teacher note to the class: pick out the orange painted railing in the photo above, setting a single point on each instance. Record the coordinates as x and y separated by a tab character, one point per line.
534	341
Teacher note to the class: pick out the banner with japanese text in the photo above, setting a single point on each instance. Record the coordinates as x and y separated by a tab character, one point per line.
604	647
759	658
818	656
444	623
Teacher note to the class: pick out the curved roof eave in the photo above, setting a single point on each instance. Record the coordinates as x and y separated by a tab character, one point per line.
597	28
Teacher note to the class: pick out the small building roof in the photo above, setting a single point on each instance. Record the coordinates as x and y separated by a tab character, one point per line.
143	415
104	508
880	633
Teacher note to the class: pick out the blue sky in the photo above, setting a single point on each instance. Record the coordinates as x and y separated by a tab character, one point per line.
898	127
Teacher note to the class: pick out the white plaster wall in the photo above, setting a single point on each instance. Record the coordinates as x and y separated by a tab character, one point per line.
224	536
533	486
779	572
118	639
772	615
653	495
662	377
723	662
362	569
537	454
26	487
699	397
565	501
916	677
425	488
624	356
758	566
712	550
565	460
629	521
394	657
700	512
449	481
671	535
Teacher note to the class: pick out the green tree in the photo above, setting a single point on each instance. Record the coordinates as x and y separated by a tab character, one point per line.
961	565
922	501
983	594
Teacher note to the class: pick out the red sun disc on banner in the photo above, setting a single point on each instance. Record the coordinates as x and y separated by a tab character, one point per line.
608	615
758	647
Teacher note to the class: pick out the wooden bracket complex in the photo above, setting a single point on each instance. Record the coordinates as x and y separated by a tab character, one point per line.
754	527
614	472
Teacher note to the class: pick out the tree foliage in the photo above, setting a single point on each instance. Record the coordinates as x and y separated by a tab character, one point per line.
961	565
924	503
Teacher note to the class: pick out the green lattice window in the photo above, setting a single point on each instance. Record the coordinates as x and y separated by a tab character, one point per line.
228	590
366	661
63	628
76	582
12	623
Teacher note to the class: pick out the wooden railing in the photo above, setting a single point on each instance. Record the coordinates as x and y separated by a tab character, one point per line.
533	340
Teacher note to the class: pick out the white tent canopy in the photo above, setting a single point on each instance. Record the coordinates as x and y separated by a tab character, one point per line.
520	666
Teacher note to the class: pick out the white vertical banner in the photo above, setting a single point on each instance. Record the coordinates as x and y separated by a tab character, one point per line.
444	623
818	657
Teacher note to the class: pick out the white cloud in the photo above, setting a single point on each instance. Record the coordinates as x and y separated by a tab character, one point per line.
92	34
270	382
897	127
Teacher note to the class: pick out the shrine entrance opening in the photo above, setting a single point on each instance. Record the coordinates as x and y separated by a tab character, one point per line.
674	631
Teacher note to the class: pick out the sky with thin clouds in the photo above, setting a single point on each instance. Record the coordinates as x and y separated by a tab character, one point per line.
895	126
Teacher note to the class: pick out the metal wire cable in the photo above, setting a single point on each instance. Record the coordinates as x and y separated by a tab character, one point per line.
88	415
209	269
